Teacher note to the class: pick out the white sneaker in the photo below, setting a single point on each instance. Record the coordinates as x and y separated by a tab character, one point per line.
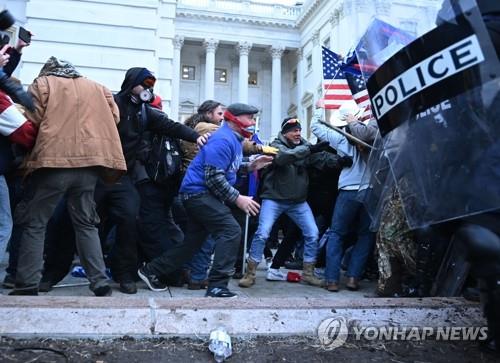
269	262
274	274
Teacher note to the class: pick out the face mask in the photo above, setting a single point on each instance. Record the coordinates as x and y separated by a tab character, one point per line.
147	95
250	129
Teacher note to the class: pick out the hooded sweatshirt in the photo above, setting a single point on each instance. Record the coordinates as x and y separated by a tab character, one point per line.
132	128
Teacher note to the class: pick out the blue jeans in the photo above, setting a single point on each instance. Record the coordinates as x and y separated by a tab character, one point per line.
349	212
201	260
300	213
5	217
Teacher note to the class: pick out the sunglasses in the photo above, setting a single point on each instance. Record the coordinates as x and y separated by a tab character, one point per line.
292	121
149	82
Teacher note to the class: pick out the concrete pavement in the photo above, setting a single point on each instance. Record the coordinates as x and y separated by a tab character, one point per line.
268	308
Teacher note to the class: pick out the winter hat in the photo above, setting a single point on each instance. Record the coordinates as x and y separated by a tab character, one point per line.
289	124
144	75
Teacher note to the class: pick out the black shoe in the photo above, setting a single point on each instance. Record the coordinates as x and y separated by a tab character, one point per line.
151	280
45	286
128	287
103	291
9	281
28	292
219	292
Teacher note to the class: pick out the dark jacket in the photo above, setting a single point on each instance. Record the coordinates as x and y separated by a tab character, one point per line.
287	178
131	128
6	151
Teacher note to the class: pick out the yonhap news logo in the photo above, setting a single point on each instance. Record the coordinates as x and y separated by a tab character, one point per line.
334	332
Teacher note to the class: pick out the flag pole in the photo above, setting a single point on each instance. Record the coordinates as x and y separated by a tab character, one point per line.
348	135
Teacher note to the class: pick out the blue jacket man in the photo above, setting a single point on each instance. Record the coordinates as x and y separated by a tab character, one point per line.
207	191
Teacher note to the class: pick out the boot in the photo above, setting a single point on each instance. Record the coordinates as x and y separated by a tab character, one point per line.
308	275
249	278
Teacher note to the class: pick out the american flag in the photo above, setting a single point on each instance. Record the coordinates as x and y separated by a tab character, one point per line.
356	82
360	94
335	87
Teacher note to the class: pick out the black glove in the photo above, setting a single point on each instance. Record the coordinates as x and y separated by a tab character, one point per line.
345	161
320	146
16	91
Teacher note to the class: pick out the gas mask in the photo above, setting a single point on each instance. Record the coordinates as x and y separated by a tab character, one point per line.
147	95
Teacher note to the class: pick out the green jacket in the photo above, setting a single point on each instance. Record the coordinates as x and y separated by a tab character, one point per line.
287	177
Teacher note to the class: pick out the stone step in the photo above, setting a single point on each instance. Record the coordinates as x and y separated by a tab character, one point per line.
92	317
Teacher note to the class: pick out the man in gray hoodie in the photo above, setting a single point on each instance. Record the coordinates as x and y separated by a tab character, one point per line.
348	212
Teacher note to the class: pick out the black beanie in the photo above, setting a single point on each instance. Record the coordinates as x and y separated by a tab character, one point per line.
290	123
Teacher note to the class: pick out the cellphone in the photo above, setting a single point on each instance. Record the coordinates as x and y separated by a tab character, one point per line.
24	35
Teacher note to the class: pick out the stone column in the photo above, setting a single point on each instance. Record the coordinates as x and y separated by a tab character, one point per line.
276	53
317	62
300	81
334	23
176	77
243	49
210	47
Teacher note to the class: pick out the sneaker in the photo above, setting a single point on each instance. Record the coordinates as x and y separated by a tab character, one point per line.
269	262
151	280
220	292
274	274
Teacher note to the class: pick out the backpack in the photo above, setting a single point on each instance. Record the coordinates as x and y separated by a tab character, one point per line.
164	161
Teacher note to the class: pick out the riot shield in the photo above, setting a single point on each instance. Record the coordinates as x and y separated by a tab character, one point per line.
380	41
435	102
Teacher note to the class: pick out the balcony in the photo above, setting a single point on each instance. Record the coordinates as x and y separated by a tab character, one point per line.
242	8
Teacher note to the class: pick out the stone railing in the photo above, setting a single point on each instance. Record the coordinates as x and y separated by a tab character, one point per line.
243	7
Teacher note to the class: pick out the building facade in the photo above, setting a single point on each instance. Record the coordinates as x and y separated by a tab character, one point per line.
265	54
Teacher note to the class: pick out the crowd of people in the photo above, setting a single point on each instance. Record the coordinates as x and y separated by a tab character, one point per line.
138	196
85	180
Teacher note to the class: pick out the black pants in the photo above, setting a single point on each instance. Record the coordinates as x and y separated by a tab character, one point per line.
159	232
207	215
120	202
